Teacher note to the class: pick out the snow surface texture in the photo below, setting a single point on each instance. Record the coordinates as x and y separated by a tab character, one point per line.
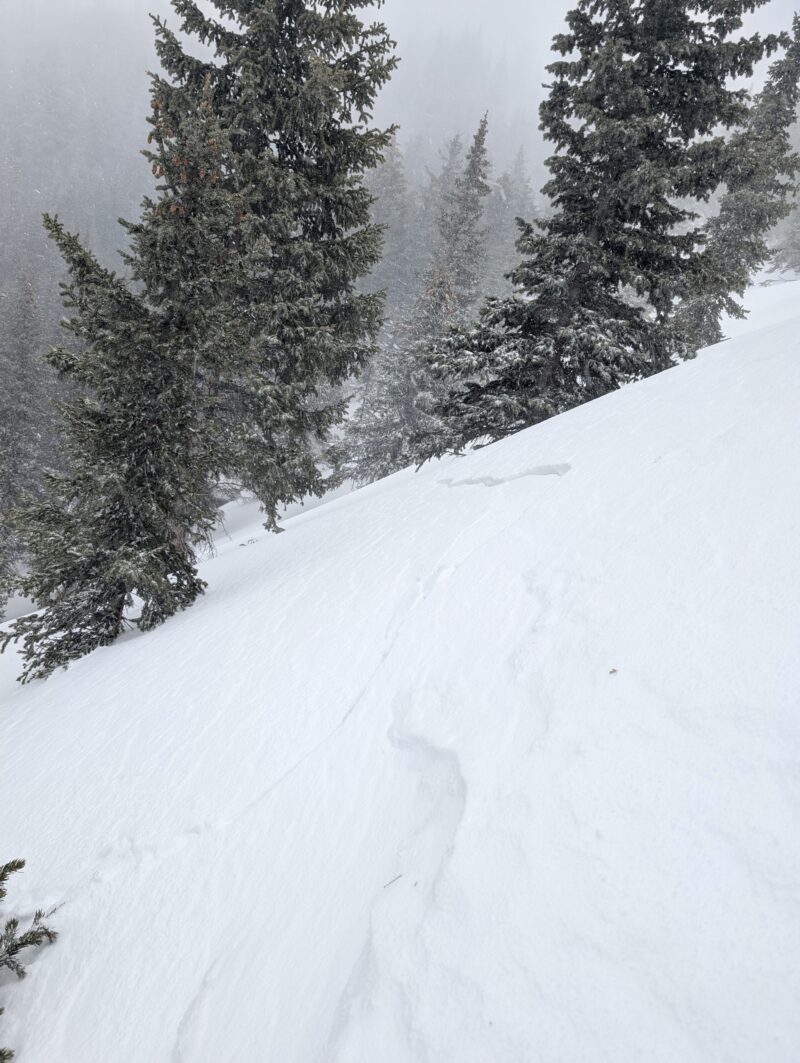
493	763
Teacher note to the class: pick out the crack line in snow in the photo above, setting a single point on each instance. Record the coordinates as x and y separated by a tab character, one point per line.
318	745
189	1014
395	632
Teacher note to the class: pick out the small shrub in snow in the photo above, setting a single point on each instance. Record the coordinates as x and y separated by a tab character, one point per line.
13	940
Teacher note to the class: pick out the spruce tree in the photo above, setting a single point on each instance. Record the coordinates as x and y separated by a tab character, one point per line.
395	424
634	111
511	201
758	196
26	415
13	942
436	187
787	239
462	229
119	531
294	85
394	274
241	314
395	420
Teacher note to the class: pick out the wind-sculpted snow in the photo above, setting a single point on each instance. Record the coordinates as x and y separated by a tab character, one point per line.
495	481
446	774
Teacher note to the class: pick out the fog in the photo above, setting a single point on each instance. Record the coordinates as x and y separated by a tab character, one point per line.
73	98
460	58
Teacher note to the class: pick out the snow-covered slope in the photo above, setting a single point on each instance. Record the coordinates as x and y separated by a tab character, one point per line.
494	763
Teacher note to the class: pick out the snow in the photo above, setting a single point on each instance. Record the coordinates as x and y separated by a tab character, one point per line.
493	763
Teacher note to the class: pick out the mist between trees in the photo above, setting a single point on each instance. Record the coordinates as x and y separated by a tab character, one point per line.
74	96
308	294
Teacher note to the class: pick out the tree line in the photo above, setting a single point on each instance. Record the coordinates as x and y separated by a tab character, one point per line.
292	309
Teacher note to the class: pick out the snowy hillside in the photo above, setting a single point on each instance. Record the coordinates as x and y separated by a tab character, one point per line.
494	763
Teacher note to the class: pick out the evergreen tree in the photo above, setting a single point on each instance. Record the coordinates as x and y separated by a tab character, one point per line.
394	274
395	422
758	196
240	316
26	418
395	419
8	554
294	84
511	201
787	239
632	111
439	185
123	524
462	251
12	942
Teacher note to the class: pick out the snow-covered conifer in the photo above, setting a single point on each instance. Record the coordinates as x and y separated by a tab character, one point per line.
219	358
26	414
294	85
395	273
13	941
462	227
117	533
759	189
635	102
511	200
395	424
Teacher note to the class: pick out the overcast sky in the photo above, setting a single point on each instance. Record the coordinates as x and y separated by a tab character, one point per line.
459	57
73	95
491	55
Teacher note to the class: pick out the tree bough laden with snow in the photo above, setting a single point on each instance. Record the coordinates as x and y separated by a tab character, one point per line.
13	941
511	199
396	424
242	311
758	196
26	415
295	82
632	111
395	273
119	531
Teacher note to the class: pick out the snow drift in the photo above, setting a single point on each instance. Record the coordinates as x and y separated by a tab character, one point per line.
494	762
